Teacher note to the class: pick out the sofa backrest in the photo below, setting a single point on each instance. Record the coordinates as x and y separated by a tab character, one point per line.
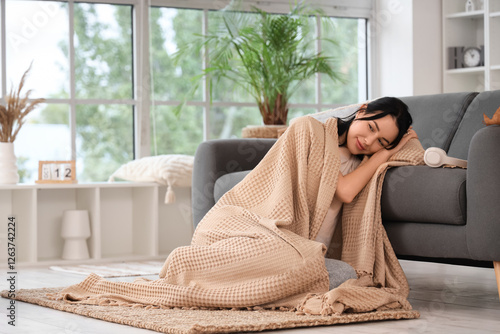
436	117
484	103
447	121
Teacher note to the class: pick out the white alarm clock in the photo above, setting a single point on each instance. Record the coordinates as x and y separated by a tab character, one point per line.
471	57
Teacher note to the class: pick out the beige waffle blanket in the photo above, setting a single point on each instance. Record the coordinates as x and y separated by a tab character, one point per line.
255	247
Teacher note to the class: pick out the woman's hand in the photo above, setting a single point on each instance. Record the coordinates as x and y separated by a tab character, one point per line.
408	135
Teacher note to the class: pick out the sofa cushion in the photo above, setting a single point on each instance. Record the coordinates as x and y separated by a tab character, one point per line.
436	117
226	182
425	195
487	103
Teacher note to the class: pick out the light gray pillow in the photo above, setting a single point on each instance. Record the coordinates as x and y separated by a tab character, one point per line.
339	272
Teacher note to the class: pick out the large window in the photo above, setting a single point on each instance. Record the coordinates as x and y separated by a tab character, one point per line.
110	94
81	55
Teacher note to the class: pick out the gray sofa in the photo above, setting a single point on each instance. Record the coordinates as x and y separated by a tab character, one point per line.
437	214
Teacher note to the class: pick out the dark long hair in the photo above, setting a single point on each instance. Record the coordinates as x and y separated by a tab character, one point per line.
378	109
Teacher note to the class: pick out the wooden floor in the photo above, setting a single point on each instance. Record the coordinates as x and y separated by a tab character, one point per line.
450	298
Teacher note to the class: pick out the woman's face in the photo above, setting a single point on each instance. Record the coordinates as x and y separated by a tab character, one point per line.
367	137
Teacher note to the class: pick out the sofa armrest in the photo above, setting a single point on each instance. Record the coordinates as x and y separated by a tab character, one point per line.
215	158
483	195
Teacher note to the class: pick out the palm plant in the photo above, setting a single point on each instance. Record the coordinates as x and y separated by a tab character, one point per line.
268	55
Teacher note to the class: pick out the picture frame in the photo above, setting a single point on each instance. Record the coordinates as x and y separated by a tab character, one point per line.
57	171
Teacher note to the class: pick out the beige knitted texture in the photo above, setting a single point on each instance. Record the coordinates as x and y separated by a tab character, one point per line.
381	282
255	246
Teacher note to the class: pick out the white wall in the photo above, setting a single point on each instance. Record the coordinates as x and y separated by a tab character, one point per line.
427	47
394	40
407	47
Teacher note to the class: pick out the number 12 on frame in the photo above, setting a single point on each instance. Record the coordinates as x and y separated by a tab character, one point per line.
56	172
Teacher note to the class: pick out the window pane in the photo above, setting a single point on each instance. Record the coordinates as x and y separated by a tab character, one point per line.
103	51
305	91
37	31
226	90
170	28
349	35
104	140
176	135
44	136
227	122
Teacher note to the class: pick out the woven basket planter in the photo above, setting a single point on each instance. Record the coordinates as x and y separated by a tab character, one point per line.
263	131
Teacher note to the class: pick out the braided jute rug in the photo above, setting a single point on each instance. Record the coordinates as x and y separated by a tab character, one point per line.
182	321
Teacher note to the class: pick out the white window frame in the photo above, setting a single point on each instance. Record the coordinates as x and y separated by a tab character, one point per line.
142	78
339	8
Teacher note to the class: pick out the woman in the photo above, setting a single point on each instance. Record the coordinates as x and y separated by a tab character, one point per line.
257	246
377	130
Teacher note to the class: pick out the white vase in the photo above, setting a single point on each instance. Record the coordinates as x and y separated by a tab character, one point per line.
8	167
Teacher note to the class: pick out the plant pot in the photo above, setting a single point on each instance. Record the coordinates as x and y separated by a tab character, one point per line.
8	167
263	131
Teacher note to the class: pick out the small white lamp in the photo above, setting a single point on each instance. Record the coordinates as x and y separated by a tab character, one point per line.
75	231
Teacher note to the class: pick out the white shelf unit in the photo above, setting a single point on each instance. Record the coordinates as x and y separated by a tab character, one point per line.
129	221
494	23
472	29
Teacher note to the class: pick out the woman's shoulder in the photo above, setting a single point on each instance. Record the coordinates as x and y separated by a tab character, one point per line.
310	124
308	119
304	120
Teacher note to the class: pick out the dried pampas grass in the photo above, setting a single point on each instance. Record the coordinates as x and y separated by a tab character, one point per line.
13	114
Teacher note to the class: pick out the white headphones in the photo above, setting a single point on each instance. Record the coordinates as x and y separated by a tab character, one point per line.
436	157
